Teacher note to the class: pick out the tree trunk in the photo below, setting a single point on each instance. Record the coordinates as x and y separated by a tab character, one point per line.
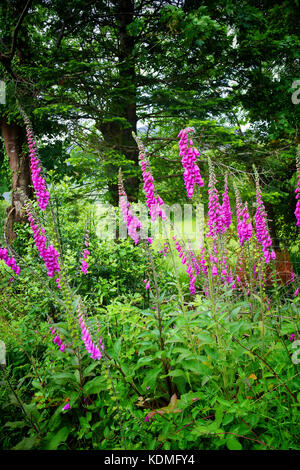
14	137
272	224
118	135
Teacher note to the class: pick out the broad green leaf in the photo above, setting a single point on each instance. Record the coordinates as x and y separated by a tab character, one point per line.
96	385
27	443
233	444
56	439
151	376
177	373
15	424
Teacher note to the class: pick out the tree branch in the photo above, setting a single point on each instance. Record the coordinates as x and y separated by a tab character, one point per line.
17	27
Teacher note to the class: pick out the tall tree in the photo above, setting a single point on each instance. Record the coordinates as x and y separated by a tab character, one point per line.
121	61
12	15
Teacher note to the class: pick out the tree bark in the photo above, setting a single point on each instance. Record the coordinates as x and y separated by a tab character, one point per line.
119	134
14	137
272	224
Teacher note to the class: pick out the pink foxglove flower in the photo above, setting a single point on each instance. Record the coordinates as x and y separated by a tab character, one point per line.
189	156
85	254
133	224
215	211
203	262
39	183
195	262
262	232
297	191
58	280
48	253
214	270
90	346
10	262
184	256
244	226
153	201
84	264
57	340
226	207
226	273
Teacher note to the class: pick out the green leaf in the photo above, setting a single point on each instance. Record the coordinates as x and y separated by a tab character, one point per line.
57	438
15	424
143	361
117	347
227	419
64	377
233	444
177	373
219	415
151	376
88	370
96	385
205	338
27	443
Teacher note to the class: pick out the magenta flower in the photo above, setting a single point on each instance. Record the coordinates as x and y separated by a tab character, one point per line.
84	264
57	340
10	262
297	191
262	232
226	207
191	271
85	254
48	253
214	270
58	280
38	181
166	248
292	337
203	262
296	292
215	210
133	224
189	156
66	407
196	266
153	201
244	226
90	346
226	273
